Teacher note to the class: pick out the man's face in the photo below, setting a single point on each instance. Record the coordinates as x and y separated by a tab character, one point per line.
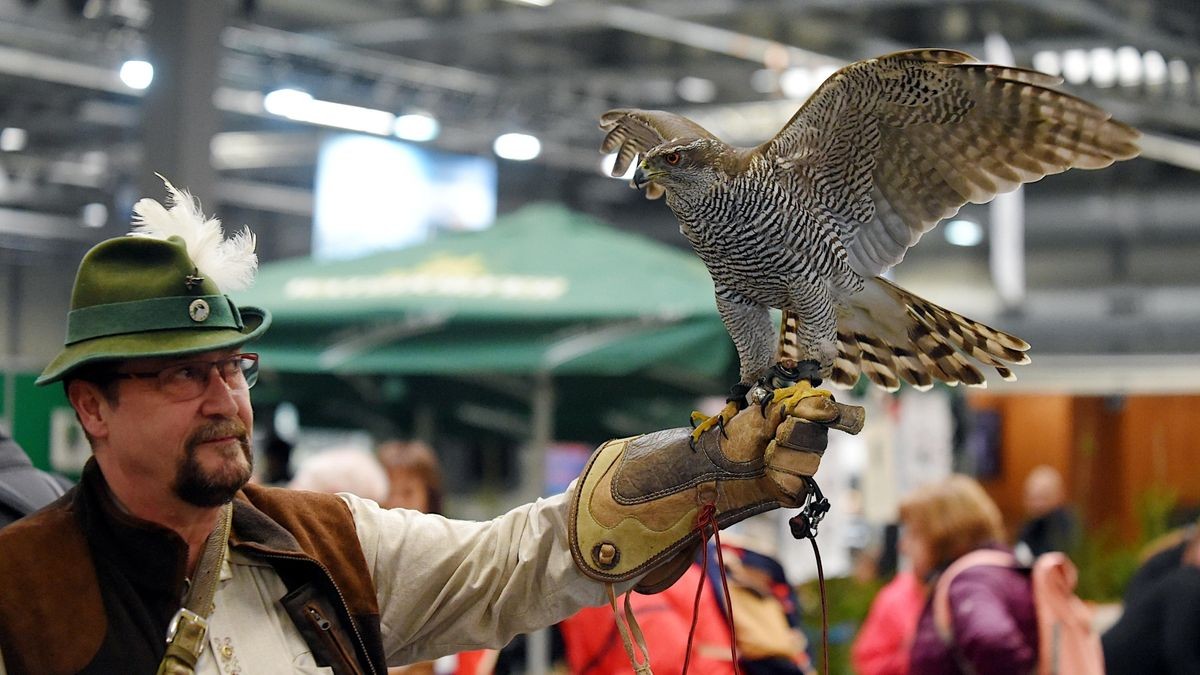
198	447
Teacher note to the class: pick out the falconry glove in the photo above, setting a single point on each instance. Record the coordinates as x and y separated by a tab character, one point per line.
640	502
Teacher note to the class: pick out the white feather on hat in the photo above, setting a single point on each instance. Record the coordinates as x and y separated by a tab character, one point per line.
228	263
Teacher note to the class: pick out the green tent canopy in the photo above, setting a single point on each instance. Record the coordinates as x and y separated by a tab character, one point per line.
543	291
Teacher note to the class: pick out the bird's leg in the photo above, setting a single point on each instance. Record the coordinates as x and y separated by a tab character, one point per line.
791	384
733	404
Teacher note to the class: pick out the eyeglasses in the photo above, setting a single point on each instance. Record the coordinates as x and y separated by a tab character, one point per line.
186	381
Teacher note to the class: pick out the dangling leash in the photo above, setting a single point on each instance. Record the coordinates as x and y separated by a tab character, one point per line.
804	526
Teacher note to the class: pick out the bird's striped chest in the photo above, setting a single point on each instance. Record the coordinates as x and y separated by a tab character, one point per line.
751	234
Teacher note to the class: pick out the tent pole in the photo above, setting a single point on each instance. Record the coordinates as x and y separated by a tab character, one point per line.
537	646
541	434
425	424
12	349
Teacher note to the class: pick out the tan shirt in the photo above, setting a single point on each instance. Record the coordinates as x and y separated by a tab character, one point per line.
443	586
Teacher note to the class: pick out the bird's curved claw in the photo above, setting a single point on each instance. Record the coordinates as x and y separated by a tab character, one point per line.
702	423
763	403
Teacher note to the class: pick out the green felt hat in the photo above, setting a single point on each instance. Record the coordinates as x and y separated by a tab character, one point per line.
137	297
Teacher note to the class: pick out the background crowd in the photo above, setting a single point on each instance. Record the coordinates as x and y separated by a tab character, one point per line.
992	607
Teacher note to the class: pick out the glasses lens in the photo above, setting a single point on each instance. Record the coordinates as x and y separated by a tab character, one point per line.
189	380
185	381
248	364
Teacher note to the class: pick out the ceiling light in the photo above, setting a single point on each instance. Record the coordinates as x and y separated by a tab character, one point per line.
824	72
137	74
1156	67
609	161
797	83
1178	70
94	215
1129	66
518	147
302	107
764	81
962	232
1103	63
13	139
1075	66
696	89
416	127
1048	62
535	3
284	102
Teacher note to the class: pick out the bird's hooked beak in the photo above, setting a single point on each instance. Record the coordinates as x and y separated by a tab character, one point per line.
640	179
644	180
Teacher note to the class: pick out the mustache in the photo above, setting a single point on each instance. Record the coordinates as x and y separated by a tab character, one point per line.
224	428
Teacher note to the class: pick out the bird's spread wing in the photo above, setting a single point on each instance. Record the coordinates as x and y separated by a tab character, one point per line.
631	132
888	147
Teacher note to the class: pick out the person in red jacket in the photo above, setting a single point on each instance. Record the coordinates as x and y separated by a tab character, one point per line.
883	642
593	645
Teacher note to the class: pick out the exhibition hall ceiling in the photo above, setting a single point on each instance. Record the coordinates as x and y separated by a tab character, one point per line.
1110	261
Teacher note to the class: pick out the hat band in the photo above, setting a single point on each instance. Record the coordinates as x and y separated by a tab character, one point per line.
138	316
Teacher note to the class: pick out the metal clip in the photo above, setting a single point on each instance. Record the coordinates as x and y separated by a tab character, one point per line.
804	524
187	631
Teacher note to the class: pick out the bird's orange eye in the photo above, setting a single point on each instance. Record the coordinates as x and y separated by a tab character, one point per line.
672	158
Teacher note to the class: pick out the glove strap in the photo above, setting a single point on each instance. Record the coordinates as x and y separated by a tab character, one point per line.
627	625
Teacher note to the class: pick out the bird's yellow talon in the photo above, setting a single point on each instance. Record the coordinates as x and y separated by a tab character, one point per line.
702	423
791	396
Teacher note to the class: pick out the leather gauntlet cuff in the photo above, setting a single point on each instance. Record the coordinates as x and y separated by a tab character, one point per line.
635	509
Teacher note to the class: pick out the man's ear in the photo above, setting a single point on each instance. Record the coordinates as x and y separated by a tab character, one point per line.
90	406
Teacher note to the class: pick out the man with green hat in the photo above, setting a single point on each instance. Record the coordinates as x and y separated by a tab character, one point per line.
165	559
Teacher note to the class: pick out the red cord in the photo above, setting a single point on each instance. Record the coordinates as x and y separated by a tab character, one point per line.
728	603
706	519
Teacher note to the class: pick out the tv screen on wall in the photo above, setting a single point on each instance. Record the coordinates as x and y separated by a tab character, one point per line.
375	194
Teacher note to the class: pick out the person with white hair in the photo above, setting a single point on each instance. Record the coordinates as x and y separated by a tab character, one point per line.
342	470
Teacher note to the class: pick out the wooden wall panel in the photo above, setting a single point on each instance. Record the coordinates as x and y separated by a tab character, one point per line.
1035	429
1160	449
1110	450
1100	489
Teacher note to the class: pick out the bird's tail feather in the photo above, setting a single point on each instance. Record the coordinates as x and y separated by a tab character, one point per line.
889	335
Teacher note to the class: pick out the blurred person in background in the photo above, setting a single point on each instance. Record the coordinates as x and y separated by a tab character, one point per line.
593	644
1050	523
414	476
23	487
1159	630
766	608
765	615
165	558
993	622
884	641
342	470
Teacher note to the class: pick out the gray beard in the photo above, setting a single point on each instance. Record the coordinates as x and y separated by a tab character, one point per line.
208	489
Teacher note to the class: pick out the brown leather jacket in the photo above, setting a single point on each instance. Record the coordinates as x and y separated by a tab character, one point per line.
86	588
